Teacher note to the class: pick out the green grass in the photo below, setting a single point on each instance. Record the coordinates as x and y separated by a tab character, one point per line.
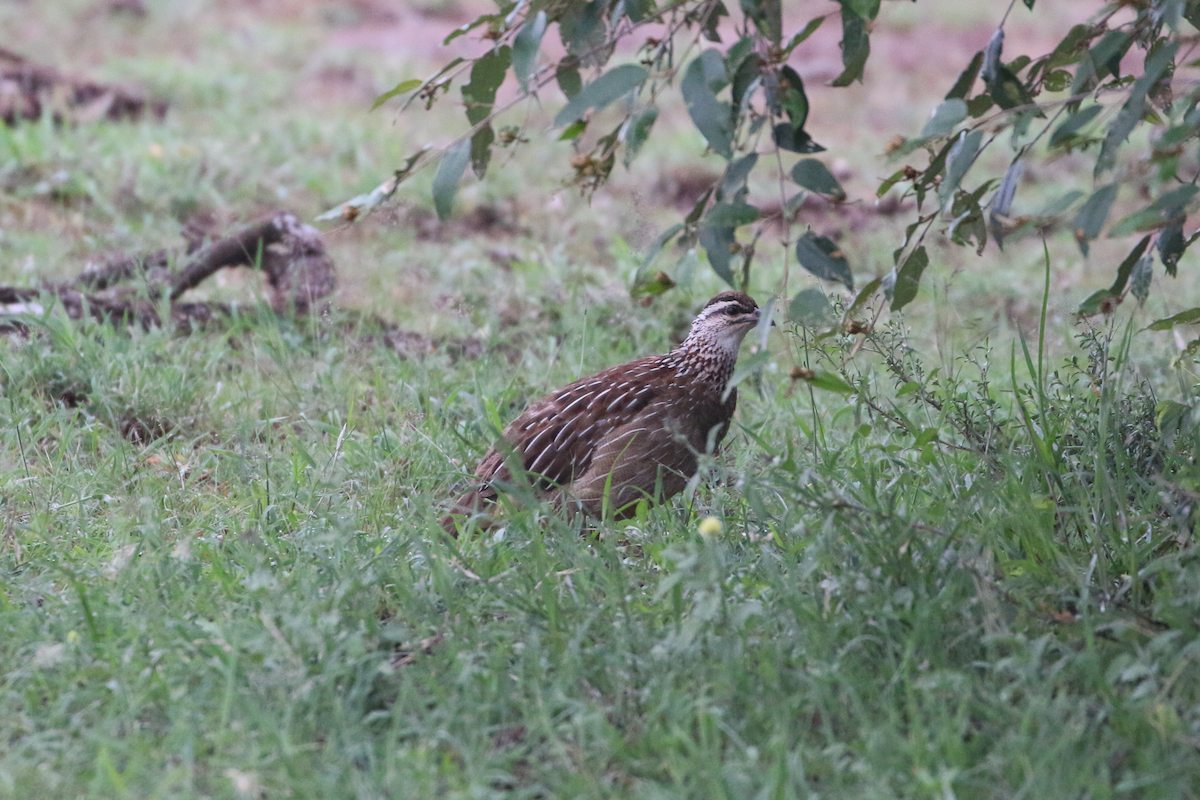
223	573
264	594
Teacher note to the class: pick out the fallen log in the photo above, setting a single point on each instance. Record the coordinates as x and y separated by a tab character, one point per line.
130	290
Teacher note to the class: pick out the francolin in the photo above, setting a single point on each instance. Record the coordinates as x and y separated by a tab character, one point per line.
630	432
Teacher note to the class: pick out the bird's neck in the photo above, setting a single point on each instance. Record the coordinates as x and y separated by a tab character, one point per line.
706	359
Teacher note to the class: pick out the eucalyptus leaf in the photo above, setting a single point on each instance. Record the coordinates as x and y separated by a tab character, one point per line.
1071	48
856	47
719	244
979	105
863	297
638	10
937	166
638	132
597	95
1144	220
358	207
1074	123
730	215
991	56
712	117
467	27
716	77
449	173
823	258
805	32
1175	200
733	183
1106	55
810	309
815	176
1099	302
747	76
867	9
1003	199
710	20
567	77
431	80
1189	317
583	31
525	48
1061	204
1127	266
1091	217
788	138
959	160
486	76
400	88
572	131
1131	111
966	79
1007	90
479	95
481	150
1002	83
1085	77
908	278
1171	246
698	209
767	16
890	181
1139	281
792	98
944	118
968	222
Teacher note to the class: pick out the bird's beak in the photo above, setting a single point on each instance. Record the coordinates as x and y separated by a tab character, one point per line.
758	318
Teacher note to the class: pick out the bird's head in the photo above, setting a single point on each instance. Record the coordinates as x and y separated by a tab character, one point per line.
710	350
729	315
719	328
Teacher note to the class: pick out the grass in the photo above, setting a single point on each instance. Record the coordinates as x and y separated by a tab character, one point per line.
224	574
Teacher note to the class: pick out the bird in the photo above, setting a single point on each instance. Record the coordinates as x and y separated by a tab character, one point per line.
631	432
